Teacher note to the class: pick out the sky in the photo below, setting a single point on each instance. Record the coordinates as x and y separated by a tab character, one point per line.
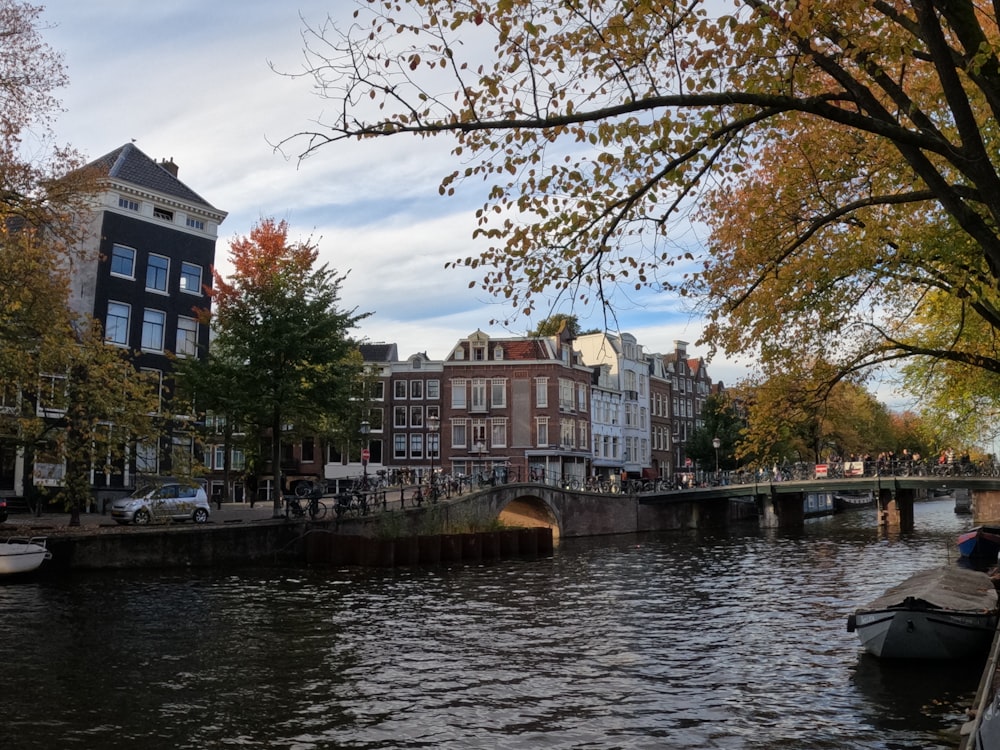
192	81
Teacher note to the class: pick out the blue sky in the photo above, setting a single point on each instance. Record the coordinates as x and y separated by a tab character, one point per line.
190	80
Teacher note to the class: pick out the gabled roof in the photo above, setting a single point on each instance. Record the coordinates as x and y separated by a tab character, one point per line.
379	352
128	164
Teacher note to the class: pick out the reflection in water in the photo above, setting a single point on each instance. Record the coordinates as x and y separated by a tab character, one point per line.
725	640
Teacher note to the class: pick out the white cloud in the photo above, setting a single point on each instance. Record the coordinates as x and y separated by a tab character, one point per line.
191	81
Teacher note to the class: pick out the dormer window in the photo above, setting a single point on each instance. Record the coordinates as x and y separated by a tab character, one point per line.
162	213
459	352
479	352
498	352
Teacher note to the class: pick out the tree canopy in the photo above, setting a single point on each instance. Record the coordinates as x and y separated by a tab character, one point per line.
843	155
279	324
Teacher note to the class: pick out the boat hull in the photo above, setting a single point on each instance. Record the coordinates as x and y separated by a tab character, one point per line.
925	634
22	556
981	543
948	612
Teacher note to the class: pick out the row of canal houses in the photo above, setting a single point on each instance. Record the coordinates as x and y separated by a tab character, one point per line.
558	407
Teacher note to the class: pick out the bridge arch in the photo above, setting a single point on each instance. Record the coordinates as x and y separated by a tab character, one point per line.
527	509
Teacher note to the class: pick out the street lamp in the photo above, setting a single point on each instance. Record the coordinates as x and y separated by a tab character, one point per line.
480	449
364	429
433	423
715	444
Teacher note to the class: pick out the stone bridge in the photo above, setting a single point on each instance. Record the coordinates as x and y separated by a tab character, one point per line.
774	505
567	513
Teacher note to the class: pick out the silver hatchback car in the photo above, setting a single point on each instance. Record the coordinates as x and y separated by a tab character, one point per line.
171	501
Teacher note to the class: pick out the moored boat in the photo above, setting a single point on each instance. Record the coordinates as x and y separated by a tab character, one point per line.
981	544
22	555
942	613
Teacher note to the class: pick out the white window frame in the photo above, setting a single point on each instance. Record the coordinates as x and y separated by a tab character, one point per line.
130	252
187	337
459	394
118	334
190	272
149	326
161	274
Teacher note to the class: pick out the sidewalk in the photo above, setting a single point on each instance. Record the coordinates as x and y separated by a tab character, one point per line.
230	513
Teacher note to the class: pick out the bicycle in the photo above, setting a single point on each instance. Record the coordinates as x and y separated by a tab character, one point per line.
314	508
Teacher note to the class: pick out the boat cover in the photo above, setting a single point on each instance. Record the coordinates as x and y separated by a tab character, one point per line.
947	587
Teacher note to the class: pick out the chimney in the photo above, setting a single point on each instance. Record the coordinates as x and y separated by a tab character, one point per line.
168	164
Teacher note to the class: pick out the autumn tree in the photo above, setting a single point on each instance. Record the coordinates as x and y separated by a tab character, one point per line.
65	394
278	318
799	416
843	154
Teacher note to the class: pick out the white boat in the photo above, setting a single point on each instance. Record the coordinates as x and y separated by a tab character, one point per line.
943	613
21	555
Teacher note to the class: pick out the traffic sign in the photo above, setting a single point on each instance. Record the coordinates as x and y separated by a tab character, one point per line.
365	455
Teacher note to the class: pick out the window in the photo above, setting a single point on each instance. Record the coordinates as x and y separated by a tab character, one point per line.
416	389
378	391
433	389
155	379
433	445
478	395
187	337
479	431
399	416
153	325
581	397
220	457
399	445
434	411
146	458
565	394
123	261
542	431
458	396
416	445
479	352
416	416
162	213
498	433
116	325
52	395
308	451
157	269
399	389
459	433
195	223
190	278
566	434
541	392
127	203
498	352
498	392
239	460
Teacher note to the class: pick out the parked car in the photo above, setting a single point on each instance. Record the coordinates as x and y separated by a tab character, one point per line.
173	501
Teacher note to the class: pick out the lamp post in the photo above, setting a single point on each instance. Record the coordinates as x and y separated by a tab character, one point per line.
433	423
365	429
715	444
480	450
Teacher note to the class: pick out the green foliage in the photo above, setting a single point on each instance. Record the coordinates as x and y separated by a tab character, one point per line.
280	326
841	153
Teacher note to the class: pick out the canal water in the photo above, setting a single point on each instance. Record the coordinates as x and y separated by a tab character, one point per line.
673	640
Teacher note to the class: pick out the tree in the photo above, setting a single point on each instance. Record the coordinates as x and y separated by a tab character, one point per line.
278	318
102	406
722	420
65	394
210	386
800	416
845	153
555	324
